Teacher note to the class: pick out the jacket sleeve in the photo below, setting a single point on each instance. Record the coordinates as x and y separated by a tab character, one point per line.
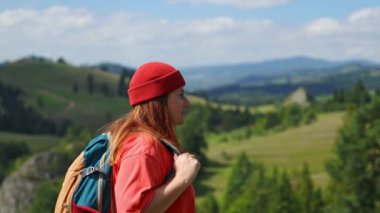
137	178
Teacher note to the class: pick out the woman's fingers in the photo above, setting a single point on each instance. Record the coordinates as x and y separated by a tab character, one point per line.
186	166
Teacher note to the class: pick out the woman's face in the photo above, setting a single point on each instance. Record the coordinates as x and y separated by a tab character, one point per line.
177	104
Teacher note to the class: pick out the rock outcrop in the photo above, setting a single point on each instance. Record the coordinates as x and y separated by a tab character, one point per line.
300	97
18	190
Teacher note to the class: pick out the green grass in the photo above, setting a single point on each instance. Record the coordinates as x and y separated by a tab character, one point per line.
48	88
261	108
286	150
36	143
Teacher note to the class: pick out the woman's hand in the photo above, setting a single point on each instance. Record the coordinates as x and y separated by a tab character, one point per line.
186	167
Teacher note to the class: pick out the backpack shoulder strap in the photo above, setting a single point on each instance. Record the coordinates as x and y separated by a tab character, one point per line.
170	147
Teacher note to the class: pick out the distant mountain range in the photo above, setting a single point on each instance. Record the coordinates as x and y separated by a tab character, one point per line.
207	77
315	82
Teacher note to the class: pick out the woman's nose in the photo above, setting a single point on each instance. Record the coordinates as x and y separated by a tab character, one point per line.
187	103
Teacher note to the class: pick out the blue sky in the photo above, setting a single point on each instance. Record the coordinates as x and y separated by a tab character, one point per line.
189	32
292	12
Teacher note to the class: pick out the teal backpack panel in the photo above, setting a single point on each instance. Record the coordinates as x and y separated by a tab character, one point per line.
94	189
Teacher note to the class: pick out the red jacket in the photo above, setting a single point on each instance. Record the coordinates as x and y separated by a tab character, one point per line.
141	166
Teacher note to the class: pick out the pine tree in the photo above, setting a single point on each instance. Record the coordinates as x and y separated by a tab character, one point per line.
75	87
122	88
354	171
310	200
318	203
61	60
359	94
239	176
291	115
260	191
377	92
90	83
105	89
285	200
336	95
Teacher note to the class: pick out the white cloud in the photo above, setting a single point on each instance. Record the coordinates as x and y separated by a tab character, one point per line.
82	36
356	36
68	18
366	21
13	17
244	4
57	16
211	25
365	14
362	22
324	26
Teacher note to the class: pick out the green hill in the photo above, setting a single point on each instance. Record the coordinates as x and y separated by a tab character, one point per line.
48	87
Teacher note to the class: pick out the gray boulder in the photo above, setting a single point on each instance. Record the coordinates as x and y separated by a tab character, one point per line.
18	189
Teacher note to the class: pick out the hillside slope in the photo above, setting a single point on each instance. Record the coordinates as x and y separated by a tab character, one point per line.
286	150
49	88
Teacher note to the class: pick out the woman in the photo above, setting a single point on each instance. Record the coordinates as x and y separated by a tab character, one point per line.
141	162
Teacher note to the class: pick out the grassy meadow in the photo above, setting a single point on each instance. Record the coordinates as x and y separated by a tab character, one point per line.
48	87
286	150
260	108
36	143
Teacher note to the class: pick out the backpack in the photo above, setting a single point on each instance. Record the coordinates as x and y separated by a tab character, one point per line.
87	186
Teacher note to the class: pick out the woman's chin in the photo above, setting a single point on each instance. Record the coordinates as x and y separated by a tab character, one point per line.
178	123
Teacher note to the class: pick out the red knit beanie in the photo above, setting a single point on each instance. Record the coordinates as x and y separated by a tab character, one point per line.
153	79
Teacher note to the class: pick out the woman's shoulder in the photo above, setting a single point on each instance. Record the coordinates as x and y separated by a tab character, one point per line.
143	144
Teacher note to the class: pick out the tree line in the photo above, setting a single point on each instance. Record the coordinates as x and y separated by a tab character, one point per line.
93	85
348	98
251	187
17	116
213	119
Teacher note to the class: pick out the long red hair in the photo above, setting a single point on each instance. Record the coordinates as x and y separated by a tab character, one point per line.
151	117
